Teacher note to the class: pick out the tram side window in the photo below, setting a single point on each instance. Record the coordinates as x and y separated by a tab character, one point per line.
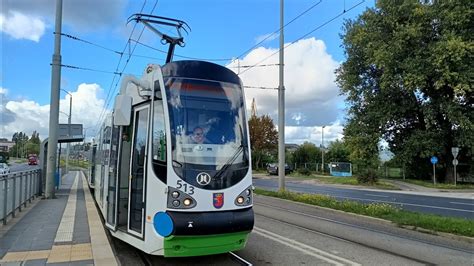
159	140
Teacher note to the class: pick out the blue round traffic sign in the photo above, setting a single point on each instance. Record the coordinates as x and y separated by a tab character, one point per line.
434	160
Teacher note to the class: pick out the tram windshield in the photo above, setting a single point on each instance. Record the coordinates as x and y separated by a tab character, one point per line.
208	132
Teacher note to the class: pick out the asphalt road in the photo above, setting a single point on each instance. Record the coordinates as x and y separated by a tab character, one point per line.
445	206
14	167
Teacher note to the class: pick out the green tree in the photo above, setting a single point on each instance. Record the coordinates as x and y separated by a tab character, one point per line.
337	152
307	153
408	80
263	139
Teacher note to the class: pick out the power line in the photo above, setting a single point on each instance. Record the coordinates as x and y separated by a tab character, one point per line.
99	121
261	88
246	66
305	35
275	32
182	56
88	42
106	48
88	69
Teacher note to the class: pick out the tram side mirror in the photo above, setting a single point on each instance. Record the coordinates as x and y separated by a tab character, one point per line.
122	110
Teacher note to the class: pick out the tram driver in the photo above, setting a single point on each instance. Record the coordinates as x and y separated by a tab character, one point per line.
198	136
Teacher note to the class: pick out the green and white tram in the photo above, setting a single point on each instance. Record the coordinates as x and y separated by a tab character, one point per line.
172	171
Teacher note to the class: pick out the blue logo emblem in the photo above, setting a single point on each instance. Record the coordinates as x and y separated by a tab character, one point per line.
218	200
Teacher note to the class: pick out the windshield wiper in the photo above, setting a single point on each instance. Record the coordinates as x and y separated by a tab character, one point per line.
229	162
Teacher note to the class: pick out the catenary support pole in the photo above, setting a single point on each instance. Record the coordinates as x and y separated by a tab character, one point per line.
281	109
54	107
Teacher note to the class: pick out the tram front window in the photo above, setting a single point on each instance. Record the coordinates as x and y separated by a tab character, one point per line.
207	120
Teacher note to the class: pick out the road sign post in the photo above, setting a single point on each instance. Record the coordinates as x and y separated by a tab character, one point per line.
455	151
434	161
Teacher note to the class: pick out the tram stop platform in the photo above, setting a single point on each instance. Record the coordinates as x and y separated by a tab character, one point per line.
62	231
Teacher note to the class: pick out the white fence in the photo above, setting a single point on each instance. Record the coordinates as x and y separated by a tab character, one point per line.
16	190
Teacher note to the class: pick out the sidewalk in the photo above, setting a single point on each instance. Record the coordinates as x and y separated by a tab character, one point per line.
58	231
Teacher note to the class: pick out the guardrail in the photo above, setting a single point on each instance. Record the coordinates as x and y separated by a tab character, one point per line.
16	190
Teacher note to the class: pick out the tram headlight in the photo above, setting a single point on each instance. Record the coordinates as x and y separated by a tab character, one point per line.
175	203
187	202
244	198
178	199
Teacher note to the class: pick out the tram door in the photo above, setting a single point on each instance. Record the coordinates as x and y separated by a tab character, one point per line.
137	171
112	191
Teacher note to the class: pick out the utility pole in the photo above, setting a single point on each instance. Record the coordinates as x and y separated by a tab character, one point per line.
322	149
54	107
281	109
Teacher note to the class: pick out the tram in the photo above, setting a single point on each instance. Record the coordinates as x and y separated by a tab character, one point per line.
161	187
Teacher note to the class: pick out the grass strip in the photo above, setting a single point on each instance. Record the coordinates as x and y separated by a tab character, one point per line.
457	226
430	184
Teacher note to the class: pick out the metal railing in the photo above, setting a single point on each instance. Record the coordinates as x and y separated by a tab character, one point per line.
16	190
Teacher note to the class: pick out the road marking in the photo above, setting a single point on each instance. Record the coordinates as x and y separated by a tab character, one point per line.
312	251
375	195
471	204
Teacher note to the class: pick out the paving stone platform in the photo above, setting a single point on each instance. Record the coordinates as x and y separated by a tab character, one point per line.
58	231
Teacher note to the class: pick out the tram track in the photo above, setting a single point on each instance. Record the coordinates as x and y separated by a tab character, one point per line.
347	239
219	259
358	227
239	259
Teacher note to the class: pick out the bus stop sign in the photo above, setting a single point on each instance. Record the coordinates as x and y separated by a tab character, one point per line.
434	160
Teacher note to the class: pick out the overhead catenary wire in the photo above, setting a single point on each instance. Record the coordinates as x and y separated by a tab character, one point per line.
182	56
104	108
88	69
259	87
276	31
305	35
106	48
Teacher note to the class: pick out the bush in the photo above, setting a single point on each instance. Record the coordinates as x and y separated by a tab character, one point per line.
369	176
304	171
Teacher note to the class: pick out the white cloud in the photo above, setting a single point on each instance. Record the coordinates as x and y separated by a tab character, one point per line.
301	134
19	26
267	37
311	95
80	14
30	116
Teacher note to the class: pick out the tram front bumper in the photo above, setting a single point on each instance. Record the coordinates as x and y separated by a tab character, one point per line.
186	246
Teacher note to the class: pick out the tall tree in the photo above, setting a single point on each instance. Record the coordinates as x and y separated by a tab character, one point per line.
408	80
337	152
307	153
263	138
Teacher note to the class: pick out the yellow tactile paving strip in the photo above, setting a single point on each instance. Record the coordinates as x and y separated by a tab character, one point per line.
66	227
62	253
102	251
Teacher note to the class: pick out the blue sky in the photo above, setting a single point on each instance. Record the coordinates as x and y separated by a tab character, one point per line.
219	30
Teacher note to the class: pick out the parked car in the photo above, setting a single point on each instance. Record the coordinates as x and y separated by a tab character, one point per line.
32	159
272	169
4	169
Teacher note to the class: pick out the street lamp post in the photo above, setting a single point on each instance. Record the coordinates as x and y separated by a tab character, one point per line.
322	149
69	130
